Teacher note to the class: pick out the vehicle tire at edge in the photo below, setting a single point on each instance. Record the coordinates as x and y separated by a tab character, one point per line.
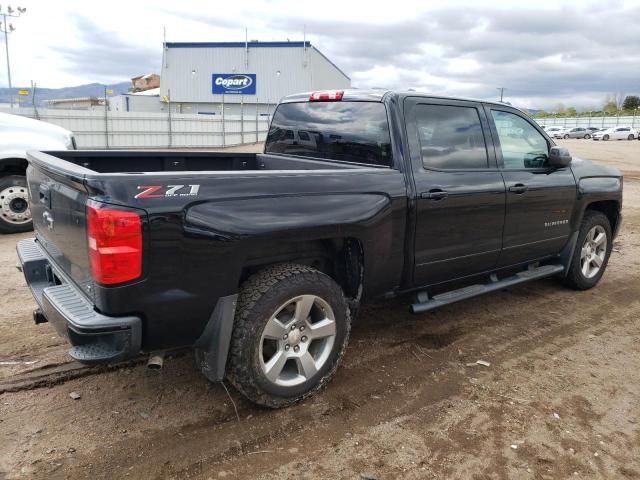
258	300
630	137
575	279
19	181
606	137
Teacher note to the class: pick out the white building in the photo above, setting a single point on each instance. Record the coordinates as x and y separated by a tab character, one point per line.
244	76
145	101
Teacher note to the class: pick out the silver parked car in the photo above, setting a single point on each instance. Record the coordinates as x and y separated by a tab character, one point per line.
576	132
17	135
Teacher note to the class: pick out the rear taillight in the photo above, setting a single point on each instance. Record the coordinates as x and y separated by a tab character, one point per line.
115	244
328	96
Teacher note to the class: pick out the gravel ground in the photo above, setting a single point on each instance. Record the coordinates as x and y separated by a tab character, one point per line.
559	398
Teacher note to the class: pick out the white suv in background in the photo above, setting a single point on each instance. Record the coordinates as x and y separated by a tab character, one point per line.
615	133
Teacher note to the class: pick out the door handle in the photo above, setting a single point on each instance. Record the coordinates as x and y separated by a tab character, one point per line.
435	194
518	188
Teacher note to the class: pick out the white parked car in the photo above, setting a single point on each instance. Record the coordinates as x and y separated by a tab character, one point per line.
553	131
17	135
615	133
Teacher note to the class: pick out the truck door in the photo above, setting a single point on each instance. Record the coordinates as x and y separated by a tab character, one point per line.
460	193
539	200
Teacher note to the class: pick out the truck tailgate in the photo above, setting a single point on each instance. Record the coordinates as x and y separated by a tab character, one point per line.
58	205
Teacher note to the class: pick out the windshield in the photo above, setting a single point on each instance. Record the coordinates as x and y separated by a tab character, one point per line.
346	131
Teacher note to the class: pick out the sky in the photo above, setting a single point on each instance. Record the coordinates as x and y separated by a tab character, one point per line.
544	53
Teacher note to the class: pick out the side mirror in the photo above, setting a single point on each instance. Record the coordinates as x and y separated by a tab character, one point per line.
559	157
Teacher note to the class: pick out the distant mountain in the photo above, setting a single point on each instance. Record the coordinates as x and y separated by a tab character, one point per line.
44	94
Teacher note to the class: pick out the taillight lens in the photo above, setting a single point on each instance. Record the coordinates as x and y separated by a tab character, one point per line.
115	244
328	96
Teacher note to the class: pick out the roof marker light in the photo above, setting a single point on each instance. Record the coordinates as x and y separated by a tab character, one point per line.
327	96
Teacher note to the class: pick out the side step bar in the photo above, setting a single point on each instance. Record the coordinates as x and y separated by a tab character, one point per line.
424	303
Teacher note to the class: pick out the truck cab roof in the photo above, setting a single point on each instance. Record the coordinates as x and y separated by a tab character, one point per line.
379	94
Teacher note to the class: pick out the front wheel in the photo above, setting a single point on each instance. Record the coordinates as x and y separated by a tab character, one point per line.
587	136
15	215
606	137
630	137
592	252
291	329
566	136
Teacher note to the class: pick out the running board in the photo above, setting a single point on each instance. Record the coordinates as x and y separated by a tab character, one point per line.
424	303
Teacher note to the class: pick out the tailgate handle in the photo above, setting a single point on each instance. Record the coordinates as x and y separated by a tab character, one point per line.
44	193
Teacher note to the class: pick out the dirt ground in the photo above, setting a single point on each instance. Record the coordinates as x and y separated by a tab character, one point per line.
558	400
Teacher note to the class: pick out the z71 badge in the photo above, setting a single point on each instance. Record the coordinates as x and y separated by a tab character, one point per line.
163	191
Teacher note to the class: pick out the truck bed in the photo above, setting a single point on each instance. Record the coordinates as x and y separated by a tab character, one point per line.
125	161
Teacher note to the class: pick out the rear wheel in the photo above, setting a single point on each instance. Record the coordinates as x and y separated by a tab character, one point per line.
291	330
592	252
15	215
587	136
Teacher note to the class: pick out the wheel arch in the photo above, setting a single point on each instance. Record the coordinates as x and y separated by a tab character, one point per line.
610	208
340	258
13	166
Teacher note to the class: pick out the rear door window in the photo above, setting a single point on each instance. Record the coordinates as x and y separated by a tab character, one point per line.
355	132
450	137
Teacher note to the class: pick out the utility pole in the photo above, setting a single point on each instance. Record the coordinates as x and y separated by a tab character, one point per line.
8	28
502	89
106	119
33	99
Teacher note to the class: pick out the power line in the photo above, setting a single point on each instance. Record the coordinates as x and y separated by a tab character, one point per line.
8	28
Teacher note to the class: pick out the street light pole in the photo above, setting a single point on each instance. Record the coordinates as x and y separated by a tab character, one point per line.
8	28
502	89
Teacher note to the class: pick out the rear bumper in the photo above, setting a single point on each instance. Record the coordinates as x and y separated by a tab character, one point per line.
94	337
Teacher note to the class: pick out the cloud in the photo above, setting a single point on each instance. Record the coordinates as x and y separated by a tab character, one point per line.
551	55
543	53
101	54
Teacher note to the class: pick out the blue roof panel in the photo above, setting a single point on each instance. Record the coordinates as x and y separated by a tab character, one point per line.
234	44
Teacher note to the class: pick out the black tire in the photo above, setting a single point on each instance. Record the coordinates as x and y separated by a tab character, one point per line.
259	298
6	184
630	137
575	278
606	137
566	136
587	136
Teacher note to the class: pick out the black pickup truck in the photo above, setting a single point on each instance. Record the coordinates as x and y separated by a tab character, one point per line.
261	261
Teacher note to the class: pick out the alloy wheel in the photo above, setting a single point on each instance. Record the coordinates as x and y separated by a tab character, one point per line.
297	340
594	251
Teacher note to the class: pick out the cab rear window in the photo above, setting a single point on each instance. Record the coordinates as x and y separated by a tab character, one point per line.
355	132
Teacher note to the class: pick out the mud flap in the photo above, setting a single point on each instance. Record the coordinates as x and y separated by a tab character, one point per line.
212	348
567	253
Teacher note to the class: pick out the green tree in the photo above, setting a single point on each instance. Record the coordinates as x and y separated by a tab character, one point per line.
571	112
610	107
631	102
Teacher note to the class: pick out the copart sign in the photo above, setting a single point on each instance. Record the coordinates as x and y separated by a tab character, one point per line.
234	83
